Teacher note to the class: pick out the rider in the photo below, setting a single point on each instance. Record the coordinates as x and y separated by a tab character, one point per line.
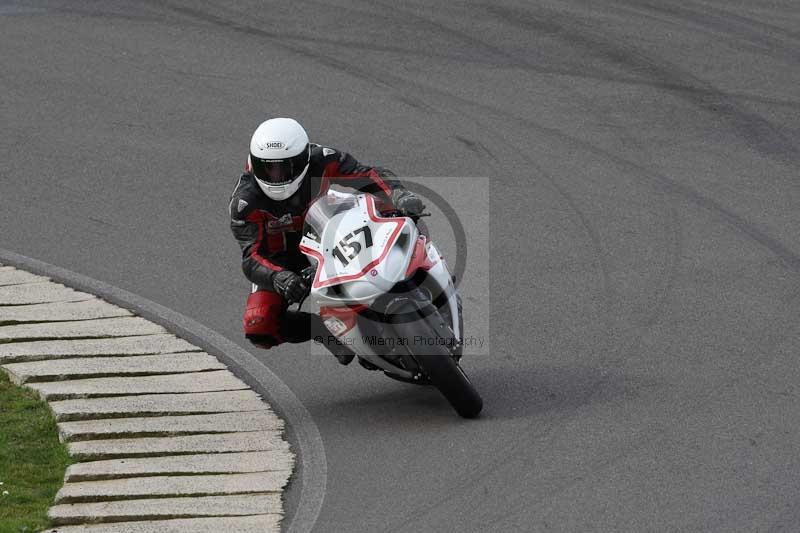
284	174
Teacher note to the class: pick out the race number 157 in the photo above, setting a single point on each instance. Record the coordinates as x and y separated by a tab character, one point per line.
349	247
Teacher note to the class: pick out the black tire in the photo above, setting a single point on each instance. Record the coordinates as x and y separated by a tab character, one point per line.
436	362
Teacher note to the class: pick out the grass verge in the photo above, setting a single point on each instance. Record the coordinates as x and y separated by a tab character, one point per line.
32	460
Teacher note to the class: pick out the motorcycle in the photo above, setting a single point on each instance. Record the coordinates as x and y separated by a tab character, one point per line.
385	291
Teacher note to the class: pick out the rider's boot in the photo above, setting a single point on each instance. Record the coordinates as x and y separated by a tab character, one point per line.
342	353
299	326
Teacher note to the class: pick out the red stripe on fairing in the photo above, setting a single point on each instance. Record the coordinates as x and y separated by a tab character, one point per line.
310	251
350	277
420	259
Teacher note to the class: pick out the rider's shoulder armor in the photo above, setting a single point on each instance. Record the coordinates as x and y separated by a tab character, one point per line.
321	157
246	197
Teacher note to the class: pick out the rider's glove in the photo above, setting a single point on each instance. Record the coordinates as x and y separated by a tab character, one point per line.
290	286
408	202
308	274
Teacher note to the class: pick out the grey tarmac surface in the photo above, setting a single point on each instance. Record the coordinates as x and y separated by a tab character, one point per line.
644	160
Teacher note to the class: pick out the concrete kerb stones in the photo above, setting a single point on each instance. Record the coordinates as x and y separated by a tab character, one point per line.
164	437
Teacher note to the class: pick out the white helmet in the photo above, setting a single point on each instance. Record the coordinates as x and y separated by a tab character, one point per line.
279	157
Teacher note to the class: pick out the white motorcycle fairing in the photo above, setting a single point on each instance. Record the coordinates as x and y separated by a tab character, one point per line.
361	256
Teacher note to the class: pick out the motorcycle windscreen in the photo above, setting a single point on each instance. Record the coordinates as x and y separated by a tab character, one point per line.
325	208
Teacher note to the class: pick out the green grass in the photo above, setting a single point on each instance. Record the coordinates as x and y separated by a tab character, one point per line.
32	460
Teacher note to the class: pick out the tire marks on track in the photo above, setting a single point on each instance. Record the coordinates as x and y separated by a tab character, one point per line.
757	131
482	113
633	59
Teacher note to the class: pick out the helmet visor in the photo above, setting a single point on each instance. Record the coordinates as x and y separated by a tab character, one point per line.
280	171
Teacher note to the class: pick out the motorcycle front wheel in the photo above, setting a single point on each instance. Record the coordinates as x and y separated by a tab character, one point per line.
427	341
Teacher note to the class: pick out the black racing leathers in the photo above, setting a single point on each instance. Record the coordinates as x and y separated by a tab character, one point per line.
270	231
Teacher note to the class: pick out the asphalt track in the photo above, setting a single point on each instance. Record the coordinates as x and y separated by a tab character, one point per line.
644	160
